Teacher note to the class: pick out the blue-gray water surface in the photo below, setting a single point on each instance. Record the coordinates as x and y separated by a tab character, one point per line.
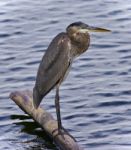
96	96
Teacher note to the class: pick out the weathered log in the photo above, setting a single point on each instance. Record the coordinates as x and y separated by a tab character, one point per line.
24	100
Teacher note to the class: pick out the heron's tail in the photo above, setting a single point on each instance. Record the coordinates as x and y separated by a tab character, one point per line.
37	98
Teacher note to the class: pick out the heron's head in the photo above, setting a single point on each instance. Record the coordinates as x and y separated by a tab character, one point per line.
82	28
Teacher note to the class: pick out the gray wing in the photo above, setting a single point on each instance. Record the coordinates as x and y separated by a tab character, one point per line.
53	67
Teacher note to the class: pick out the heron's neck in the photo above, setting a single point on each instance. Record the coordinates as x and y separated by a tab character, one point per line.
80	43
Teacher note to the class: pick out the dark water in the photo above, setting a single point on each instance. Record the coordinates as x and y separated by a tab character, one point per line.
95	98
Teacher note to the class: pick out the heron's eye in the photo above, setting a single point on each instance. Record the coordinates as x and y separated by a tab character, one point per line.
78	33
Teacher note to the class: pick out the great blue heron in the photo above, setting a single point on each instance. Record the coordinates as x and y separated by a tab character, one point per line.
57	60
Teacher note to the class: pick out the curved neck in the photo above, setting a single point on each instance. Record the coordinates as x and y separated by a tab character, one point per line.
79	41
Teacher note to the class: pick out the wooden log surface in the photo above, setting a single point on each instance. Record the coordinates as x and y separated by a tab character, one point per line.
24	100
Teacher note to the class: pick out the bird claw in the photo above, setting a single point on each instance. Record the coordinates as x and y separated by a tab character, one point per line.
60	132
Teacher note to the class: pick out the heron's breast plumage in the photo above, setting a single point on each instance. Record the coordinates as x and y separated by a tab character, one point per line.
56	63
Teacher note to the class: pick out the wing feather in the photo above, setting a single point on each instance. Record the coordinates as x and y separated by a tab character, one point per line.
53	67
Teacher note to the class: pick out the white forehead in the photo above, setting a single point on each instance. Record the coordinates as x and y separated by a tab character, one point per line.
83	30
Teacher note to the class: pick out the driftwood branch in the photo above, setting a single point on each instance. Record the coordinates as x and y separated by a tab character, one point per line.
24	100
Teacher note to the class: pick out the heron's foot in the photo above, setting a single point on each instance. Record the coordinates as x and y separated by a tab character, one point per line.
62	132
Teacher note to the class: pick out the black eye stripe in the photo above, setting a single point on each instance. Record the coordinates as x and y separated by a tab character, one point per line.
78	24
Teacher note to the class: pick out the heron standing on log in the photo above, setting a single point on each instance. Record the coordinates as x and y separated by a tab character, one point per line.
58	59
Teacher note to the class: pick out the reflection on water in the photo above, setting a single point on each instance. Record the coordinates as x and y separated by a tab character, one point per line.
95	98
29	127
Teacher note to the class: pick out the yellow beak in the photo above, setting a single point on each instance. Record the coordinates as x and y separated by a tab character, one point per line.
97	29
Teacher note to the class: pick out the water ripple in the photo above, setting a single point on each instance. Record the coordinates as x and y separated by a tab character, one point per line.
95	98
114	103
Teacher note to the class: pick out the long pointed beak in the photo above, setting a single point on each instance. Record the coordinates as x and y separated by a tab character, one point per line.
96	29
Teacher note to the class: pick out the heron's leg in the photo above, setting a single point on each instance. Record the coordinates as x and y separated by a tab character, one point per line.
57	105
61	130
